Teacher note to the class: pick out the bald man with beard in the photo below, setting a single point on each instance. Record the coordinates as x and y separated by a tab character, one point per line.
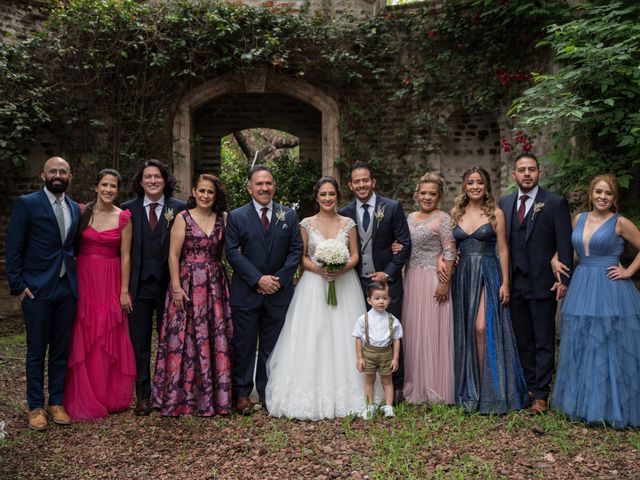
42	274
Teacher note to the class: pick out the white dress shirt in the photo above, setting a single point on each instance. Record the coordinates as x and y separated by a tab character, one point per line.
159	206
378	329
372	206
529	203
259	208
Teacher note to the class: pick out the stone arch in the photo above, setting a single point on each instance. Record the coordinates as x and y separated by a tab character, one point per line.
252	82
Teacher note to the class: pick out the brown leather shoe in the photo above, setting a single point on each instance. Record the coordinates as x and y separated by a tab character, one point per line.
539	406
38	419
143	408
244	406
58	414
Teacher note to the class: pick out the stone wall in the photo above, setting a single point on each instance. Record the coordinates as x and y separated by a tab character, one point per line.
471	139
18	18
327	9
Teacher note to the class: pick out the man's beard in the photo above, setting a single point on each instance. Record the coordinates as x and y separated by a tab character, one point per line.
59	187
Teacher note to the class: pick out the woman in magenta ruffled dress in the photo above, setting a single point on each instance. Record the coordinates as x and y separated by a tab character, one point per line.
101	367
193	367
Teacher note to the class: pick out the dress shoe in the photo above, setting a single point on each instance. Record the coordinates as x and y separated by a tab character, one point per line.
398	397
58	414
243	406
38	419
143	408
539	406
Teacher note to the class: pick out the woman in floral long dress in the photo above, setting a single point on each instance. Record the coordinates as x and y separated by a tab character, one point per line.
193	368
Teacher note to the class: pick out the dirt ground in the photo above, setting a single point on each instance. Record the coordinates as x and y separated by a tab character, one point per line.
421	442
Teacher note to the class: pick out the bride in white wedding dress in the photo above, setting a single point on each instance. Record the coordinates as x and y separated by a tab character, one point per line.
312	369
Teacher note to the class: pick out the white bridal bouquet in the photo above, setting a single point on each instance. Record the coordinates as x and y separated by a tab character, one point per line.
332	255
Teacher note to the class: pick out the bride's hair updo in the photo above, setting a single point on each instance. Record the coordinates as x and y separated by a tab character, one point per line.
462	200
322	181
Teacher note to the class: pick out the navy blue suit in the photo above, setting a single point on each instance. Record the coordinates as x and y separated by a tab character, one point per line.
252	253
148	294
393	226
34	256
532	244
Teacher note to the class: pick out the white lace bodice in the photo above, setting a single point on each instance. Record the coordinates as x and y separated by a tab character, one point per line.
430	238
315	237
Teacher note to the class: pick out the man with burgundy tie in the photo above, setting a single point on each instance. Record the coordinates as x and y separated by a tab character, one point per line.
152	214
538	227
264	248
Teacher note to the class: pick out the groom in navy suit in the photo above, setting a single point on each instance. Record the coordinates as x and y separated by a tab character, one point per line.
42	273
264	248
380	221
538	227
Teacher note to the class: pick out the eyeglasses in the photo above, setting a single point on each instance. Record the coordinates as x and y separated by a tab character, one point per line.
58	171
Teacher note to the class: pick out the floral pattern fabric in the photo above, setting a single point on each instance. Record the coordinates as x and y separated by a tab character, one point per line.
193	368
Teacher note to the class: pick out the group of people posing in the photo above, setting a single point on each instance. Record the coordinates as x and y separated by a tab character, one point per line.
461	306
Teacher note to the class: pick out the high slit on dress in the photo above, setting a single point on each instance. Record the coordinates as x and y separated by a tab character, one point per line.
498	386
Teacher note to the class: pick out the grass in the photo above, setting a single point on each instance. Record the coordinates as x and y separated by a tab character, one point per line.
421	442
276	439
15	340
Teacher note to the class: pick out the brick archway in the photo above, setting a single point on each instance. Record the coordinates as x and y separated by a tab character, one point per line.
255	82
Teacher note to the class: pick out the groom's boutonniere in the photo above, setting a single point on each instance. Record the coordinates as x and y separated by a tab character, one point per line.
280	216
536	209
380	213
169	215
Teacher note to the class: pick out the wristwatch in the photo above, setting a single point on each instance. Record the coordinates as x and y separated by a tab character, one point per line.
388	277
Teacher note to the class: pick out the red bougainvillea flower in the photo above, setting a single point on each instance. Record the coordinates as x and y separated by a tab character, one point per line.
506	146
432	34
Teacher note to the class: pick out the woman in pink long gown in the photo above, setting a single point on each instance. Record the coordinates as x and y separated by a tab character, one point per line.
101	367
427	317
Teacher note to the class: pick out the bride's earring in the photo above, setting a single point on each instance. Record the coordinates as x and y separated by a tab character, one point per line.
416	207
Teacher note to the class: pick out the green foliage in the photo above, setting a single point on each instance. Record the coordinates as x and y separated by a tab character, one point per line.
104	76
593	100
294	180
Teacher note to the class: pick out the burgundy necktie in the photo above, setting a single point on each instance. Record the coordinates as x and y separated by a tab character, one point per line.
153	218
522	208
264	219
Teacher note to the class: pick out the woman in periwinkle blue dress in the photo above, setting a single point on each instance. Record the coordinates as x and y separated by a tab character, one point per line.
488	375
598	378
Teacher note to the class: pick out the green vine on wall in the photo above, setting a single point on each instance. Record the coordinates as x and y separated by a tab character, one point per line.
104	76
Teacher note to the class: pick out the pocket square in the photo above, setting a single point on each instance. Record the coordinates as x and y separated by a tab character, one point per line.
285	226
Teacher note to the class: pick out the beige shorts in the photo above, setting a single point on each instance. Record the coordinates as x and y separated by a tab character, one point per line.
377	359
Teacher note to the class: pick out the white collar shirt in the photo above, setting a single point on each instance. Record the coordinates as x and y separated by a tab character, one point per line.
531	198
378	328
360	211
160	205
259	208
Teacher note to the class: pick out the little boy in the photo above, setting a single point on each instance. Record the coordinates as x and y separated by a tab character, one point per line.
378	335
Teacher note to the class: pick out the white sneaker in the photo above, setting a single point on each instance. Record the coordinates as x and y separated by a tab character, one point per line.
367	412
387	410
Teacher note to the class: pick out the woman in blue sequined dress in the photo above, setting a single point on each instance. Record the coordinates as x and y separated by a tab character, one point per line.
598	378
488	375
